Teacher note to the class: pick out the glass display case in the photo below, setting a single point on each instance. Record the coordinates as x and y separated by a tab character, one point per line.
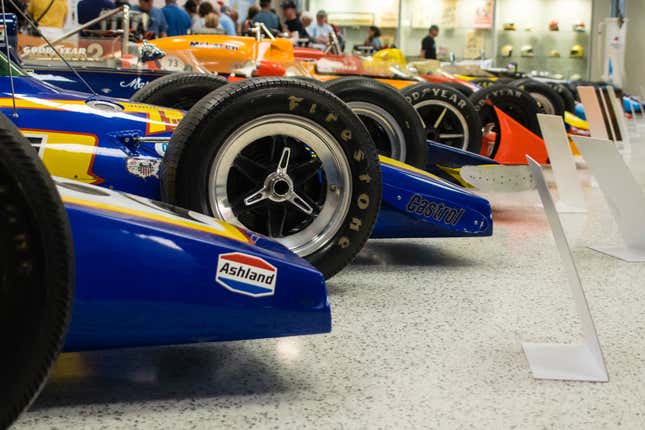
465	27
544	36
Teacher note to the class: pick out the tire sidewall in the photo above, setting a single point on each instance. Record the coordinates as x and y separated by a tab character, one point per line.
418	93
207	126
357	89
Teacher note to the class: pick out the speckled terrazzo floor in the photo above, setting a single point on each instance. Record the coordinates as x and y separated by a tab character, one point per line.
427	334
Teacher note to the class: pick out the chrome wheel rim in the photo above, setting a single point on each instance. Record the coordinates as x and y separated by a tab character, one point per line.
446	123
384	129
283	176
544	103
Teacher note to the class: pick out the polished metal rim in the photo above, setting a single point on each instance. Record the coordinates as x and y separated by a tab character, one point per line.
387	127
449	126
544	102
303	157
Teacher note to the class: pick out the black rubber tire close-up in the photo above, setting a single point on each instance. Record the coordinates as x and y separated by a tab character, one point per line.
464	89
483	82
207	126
36	273
374	94
178	90
516	103
565	94
539	91
423	95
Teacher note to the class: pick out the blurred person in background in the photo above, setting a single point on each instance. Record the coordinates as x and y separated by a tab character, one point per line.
203	10
191	9
247	25
154	20
177	19
49	15
211	25
428	44
306	18
374	38
320	30
226	22
268	17
292	23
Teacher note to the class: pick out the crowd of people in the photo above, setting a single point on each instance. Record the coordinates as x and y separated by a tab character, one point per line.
191	17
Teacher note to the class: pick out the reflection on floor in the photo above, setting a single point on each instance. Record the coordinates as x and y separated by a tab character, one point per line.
427	334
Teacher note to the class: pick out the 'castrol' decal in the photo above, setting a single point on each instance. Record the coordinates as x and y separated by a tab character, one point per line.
246	274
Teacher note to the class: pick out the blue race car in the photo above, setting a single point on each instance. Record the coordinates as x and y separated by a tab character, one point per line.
129	272
281	157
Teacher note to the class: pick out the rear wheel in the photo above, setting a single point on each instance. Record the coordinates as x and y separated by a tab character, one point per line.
283	158
178	90
394	125
516	103
36	273
449	116
547	98
565	94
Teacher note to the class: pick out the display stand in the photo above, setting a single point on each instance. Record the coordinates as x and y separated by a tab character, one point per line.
622	192
581	361
563	164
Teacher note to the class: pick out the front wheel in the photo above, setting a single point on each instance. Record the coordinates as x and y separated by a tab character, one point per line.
449	116
283	158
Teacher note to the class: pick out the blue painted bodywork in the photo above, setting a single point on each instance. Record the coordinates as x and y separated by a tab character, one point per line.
142	280
121	83
49	109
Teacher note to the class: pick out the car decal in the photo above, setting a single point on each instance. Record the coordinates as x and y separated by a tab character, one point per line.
69	155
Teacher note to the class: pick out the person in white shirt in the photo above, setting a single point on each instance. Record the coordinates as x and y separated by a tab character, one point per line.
320	30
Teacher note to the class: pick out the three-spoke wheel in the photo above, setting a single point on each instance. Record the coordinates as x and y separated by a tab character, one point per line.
283	158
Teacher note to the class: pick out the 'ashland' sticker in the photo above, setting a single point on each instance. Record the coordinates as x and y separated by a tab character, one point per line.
245	274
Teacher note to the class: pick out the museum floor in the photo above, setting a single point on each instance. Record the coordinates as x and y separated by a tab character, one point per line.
427	334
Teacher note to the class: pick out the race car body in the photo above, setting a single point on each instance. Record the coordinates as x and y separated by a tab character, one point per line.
175	276
120	145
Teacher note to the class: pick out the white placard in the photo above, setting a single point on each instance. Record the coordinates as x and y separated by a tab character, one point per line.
622	193
582	361
563	164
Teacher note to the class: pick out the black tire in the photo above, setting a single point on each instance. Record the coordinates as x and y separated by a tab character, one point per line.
208	134
565	94
393	124
483	82
178	90
36	273
518	104
548	99
430	100
464	89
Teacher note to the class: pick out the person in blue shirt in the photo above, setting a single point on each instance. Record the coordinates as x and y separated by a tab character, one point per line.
226	22
156	20
177	19
87	10
268	17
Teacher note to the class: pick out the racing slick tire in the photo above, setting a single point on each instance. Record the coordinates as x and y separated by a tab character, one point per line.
464	89
36	273
283	158
565	94
518	104
395	126
483	82
449	116
548	99
178	90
